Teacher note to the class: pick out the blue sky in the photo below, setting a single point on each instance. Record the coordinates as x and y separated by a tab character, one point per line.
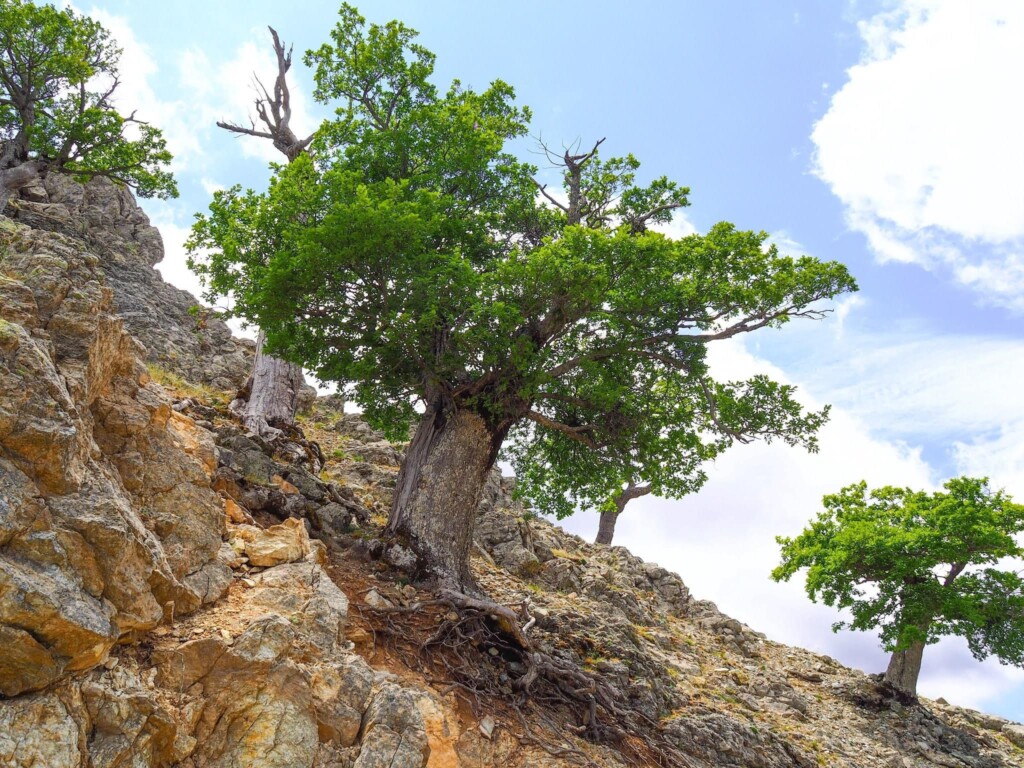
885	135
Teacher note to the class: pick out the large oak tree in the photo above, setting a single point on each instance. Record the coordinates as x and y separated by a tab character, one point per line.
418	261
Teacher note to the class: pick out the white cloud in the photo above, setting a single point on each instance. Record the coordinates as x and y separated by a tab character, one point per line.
138	70
922	142
679	227
173	268
956	393
843	307
210	185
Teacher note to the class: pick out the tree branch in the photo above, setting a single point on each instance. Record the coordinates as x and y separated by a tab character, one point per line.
275	112
573	433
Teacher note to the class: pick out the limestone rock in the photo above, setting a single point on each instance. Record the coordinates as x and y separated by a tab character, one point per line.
42	730
284	543
106	719
1015	733
106	511
394	734
341	694
196	345
305	593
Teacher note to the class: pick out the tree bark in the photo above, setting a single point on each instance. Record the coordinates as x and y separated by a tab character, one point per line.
272	390
438	491
606	528
904	668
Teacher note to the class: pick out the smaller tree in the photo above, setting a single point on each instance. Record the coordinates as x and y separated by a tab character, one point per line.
675	426
917	566
58	75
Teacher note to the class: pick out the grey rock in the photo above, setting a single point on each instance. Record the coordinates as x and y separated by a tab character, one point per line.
1015	733
394	733
332	520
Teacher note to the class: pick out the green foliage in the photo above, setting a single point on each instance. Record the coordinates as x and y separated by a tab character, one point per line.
58	73
411	257
918	566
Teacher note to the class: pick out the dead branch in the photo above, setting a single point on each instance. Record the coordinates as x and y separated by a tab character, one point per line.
275	112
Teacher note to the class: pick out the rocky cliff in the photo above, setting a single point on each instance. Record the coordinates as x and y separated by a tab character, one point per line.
175	592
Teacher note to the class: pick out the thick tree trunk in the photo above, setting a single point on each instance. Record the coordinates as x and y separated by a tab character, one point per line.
438	491
606	528
904	668
272	389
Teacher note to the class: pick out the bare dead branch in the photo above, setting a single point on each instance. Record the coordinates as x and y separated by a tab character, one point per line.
275	112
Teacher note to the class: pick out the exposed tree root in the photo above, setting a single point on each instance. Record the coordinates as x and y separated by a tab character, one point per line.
480	651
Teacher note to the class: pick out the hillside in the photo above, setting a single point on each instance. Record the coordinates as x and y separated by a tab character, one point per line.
175	592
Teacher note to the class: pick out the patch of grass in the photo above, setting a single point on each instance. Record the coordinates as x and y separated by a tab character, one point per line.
7	330
182	388
566	555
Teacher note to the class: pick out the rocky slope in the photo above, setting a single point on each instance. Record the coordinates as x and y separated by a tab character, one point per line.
174	592
107	222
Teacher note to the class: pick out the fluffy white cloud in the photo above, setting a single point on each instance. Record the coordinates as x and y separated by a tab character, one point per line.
137	71
922	142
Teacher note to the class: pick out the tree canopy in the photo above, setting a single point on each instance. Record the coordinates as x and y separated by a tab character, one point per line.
58	76
918	566
413	258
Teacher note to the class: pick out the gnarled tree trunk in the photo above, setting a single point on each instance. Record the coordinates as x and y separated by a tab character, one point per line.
270	393
438	491
904	668
606	528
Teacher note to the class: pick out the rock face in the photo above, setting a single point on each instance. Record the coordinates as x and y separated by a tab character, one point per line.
107	518
195	345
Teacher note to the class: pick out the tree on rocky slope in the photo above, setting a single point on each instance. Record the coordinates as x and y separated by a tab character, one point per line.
679	425
269	396
917	566
415	259
58	76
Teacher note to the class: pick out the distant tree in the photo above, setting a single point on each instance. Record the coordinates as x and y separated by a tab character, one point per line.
411	258
58	74
679	424
917	566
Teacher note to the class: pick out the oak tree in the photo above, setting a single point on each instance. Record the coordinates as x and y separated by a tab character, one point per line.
917	566
416	260
58	76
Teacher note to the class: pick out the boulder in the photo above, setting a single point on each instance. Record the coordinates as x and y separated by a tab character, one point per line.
284	543
394	733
